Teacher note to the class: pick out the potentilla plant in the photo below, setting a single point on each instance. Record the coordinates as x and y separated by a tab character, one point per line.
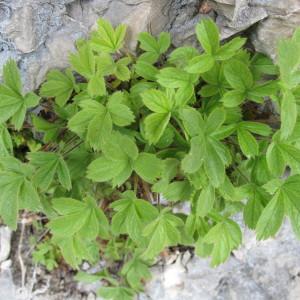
116	133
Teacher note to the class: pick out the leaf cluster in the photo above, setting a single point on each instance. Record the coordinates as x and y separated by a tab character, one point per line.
122	139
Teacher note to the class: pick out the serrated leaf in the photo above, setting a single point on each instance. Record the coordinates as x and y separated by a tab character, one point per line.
225	237
200	64
208	35
205	201
247	142
162	232
83	62
59	85
148	166
238	75
271	218
48	166
78	217
132	214
289	114
108	39
233	98
17	191
155	125
13	104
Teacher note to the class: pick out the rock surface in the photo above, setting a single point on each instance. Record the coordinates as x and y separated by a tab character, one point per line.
257	271
40	33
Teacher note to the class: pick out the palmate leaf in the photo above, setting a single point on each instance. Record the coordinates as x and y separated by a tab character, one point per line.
59	85
132	215
13	103
225	237
208	35
162	106
6	145
153	47
17	190
83	218
116	163
162	232
76	249
257	198
136	271
116	293
83	62
49	165
95	121
50	130
286	196
108	39
205	149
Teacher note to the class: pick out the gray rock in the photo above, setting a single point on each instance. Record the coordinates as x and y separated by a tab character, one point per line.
267	34
258	271
5	238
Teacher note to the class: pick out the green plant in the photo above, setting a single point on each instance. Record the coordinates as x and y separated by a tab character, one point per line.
121	132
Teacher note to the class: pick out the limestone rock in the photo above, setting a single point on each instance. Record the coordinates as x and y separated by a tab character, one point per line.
258	271
5	237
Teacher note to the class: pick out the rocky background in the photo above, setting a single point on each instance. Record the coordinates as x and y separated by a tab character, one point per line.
40	33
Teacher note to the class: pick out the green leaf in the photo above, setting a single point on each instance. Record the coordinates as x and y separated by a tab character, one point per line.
155	125
50	130
174	78
208	35
6	145
17	190
261	64
238	75
116	293
156	46
289	114
233	98
93	121
225	237
205	201
48	165
230	48
213	163
215	120
182	55
120	113
116	164
288	60
146	70
271	218
157	101
257	197
59	85
200	64
13	104
78	217
132	214
192	120
247	142
178	191
148	166
136	272
255	127
96	86
275	159
162	232
83	62
108	39
192	162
